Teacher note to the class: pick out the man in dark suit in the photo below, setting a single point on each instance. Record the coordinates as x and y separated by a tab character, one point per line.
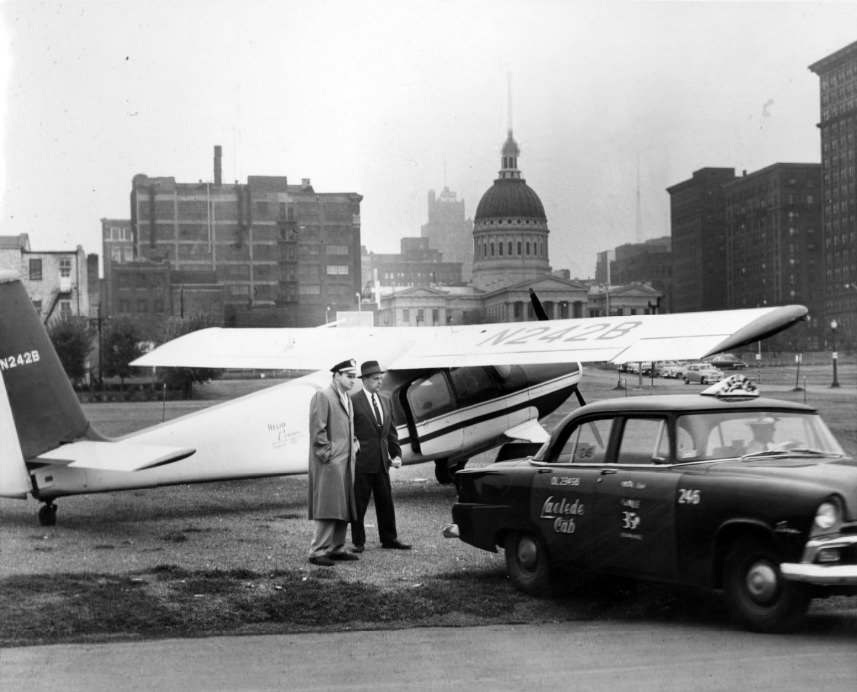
379	449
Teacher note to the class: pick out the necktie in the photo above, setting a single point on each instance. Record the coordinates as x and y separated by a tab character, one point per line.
376	409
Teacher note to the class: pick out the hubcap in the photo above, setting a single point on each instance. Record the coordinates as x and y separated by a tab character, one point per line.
528	553
762	582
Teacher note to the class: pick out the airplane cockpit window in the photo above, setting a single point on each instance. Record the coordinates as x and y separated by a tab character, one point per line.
472	384
587	443
430	396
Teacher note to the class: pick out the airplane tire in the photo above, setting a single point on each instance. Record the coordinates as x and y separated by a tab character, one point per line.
442	472
48	515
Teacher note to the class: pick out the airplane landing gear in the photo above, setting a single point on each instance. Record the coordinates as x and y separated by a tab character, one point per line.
444	470
48	514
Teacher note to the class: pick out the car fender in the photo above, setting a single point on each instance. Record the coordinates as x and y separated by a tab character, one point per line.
737	527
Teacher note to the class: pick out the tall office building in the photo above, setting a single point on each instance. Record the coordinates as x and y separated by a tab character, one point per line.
272	245
698	234
773	237
449	231
510	229
838	88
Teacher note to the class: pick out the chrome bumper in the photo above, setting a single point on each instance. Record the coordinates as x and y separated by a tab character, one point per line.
813	571
819	574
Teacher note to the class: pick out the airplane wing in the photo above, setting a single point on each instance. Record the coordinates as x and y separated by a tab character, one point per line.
629	338
112	456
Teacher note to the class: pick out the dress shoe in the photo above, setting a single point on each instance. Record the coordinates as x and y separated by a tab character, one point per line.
322	561
342	556
357	549
396	545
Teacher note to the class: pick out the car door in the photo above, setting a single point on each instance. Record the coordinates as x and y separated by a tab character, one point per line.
563	490
635	501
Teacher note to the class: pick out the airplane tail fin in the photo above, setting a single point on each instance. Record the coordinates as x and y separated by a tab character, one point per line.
44	408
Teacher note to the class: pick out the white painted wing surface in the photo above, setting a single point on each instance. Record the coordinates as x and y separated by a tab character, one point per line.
681	336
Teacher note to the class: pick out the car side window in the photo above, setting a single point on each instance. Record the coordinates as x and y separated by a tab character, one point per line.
643	441
587	443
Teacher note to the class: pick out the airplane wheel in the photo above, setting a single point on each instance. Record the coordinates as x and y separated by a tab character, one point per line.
442	472
48	514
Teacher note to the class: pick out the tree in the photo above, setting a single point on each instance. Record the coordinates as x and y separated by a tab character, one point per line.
73	342
183	378
121	345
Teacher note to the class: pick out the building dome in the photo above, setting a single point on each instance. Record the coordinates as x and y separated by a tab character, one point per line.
510	229
510	197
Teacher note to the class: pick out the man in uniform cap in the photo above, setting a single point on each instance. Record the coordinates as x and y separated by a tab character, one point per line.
333	447
378	451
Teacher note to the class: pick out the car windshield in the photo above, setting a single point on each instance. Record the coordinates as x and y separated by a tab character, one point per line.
725	435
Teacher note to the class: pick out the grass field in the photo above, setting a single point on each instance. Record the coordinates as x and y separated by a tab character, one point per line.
230	557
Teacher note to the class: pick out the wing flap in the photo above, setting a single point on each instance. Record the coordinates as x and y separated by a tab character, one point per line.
113	456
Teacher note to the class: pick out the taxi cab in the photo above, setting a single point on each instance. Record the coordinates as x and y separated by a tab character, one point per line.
724	490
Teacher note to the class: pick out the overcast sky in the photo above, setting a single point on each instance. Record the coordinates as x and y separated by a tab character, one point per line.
612	102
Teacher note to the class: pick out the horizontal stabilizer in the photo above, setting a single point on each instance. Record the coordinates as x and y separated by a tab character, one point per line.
113	456
531	431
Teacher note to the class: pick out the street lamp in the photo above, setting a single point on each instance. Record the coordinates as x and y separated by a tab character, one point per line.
833	325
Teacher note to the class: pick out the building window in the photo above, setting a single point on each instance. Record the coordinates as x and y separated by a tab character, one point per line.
142	306
65	309
35	270
309	290
337	249
116	254
435	316
500	249
421	316
519	247
510	248
37	305
158	305
337	269
65	267
406	315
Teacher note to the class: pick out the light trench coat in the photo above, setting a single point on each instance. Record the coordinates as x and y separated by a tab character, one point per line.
332	454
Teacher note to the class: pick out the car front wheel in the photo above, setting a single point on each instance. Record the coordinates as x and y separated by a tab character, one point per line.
758	596
527	562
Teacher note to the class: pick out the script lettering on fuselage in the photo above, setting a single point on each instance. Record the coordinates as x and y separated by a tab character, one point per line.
562	513
599	331
281	435
25	358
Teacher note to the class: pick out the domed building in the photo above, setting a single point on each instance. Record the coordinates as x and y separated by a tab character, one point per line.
510	229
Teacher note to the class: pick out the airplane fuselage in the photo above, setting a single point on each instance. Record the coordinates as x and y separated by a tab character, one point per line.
442	415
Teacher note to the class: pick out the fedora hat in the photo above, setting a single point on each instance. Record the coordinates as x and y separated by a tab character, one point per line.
371	367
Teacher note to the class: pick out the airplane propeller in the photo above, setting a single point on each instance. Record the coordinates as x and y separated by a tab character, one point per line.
537	306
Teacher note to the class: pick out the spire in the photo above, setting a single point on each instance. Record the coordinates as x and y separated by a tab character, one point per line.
509	159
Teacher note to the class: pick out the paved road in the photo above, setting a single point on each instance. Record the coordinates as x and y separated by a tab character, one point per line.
568	656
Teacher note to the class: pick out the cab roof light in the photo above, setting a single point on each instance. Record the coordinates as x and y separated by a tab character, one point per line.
734	387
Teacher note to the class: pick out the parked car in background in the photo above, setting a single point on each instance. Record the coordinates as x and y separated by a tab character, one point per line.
671	369
702	373
727	361
668	488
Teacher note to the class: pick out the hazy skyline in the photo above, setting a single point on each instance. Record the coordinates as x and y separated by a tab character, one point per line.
391	99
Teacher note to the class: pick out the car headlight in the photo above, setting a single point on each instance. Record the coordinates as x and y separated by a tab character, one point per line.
827	515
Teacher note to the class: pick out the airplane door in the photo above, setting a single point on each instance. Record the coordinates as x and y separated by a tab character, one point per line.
433	408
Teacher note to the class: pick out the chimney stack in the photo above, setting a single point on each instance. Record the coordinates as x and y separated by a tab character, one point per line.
217	157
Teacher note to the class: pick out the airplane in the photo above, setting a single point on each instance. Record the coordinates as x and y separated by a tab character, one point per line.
456	391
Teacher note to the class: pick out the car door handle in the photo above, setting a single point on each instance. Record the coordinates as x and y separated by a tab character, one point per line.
545	470
607	472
